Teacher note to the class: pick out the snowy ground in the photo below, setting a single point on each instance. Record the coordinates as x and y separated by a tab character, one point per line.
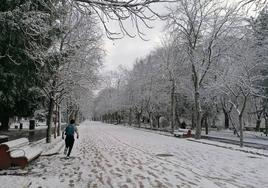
249	136
26	124
117	156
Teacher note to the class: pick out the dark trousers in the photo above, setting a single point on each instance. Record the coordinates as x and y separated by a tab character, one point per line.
69	142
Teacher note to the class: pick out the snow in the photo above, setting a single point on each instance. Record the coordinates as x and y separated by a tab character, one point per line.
117	156
26	125
17	143
252	137
251	150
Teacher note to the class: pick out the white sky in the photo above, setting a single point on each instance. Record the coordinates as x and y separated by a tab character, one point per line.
125	51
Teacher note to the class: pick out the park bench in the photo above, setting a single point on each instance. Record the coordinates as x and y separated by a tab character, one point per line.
17	153
183	133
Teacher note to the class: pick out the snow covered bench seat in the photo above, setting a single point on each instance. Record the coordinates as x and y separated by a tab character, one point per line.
17	153
184	133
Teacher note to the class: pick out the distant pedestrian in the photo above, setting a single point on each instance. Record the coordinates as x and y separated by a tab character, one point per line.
69	139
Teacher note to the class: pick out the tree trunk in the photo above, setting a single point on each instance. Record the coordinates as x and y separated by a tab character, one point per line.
55	118
76	116
151	120
193	119
241	130
59	122
158	122
130	117
266	126
258	123
197	116
139	120
67	112
197	109
240	117
50	118
177	115
204	122
206	125
56	121
226	119
111	118
118	121
234	127
173	107
4	122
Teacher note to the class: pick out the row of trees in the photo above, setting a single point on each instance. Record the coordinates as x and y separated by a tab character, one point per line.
50	53
50	56
213	60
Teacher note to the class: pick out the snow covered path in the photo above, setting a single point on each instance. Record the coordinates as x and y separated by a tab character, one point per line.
117	156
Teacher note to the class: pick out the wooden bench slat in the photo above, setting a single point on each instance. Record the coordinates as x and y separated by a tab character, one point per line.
33	153
16	143
29	152
17	153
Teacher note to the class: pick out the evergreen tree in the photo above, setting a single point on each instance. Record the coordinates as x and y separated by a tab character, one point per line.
25	36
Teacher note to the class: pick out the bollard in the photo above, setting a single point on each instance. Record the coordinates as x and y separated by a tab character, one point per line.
21	125
32	124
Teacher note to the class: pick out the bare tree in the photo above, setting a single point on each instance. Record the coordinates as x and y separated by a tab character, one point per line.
173	66
238	79
74	57
199	24
139	12
258	3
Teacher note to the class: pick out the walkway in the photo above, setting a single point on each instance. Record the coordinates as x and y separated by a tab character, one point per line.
117	156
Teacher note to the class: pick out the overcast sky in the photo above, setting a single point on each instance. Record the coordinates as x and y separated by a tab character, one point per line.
125	51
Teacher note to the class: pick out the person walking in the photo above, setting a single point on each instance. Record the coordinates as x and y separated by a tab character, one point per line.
69	139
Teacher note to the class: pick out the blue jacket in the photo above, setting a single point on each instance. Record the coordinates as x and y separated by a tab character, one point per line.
70	129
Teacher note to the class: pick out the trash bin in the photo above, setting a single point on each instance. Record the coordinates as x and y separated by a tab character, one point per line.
21	125
32	124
